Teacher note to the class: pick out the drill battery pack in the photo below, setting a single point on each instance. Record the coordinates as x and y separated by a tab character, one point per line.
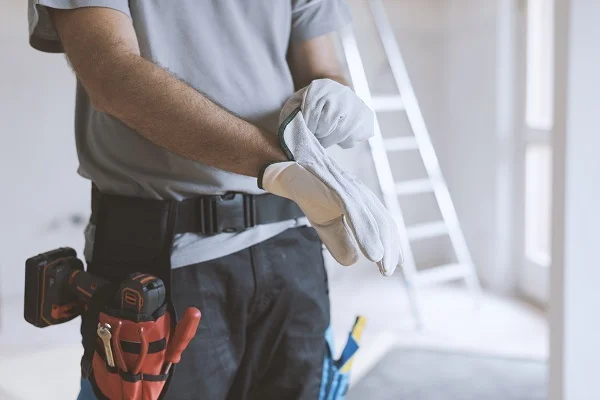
46	301
129	336
141	294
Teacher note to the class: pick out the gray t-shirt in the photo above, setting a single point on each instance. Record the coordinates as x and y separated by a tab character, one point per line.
234	51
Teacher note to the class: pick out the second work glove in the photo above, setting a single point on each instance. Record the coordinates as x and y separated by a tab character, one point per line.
333	113
347	216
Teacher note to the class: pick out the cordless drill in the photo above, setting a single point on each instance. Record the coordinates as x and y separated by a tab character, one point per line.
57	289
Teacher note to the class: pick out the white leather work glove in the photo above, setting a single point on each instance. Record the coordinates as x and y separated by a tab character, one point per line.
333	113
346	214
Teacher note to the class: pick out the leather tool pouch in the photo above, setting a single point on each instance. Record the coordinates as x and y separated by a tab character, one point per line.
132	235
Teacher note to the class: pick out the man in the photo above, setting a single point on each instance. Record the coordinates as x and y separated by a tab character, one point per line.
183	99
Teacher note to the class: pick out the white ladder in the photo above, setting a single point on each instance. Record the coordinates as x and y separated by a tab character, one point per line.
406	102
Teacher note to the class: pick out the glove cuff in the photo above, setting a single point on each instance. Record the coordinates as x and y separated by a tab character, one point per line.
261	174
282	144
281	134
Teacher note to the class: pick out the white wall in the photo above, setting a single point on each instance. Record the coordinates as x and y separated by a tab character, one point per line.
468	142
40	188
574	296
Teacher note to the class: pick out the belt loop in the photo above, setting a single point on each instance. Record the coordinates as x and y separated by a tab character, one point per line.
200	215
207	215
249	211
212	219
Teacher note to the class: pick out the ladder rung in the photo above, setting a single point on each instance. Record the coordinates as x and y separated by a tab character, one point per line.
442	273
427	230
400	143
387	103
414	186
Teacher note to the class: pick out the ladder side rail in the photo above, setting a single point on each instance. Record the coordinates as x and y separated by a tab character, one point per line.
419	128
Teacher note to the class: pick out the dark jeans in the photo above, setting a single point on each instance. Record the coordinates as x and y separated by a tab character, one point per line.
265	310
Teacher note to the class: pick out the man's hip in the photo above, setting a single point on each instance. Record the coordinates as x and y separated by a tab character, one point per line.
265	313
265	310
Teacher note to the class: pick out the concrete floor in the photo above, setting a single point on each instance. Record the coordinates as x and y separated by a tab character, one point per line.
497	326
452	319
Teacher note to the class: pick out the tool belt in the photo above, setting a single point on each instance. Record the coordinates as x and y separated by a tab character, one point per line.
133	236
131	334
209	214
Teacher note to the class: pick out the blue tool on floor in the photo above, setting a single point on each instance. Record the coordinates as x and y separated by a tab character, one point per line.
336	373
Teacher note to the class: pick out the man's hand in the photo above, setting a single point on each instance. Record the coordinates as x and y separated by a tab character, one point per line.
342	117
102	47
345	213
333	112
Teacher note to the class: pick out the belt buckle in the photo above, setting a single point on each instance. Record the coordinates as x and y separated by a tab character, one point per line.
231	212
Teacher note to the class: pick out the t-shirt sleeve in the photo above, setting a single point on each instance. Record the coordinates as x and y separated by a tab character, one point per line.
312	18
43	36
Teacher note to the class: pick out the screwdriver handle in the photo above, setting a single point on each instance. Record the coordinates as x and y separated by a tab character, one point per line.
184	332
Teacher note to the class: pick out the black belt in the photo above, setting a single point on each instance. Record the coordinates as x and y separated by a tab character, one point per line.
209	214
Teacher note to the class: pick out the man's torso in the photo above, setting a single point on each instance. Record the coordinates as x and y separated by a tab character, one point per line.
233	51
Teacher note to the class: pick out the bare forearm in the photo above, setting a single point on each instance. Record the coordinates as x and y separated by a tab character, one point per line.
173	115
102	47
315	59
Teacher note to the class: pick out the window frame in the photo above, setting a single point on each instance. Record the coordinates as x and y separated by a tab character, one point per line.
534	271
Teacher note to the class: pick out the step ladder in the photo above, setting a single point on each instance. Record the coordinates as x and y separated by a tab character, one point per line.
406	102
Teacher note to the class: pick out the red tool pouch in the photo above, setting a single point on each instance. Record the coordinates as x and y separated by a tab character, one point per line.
138	346
132	236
